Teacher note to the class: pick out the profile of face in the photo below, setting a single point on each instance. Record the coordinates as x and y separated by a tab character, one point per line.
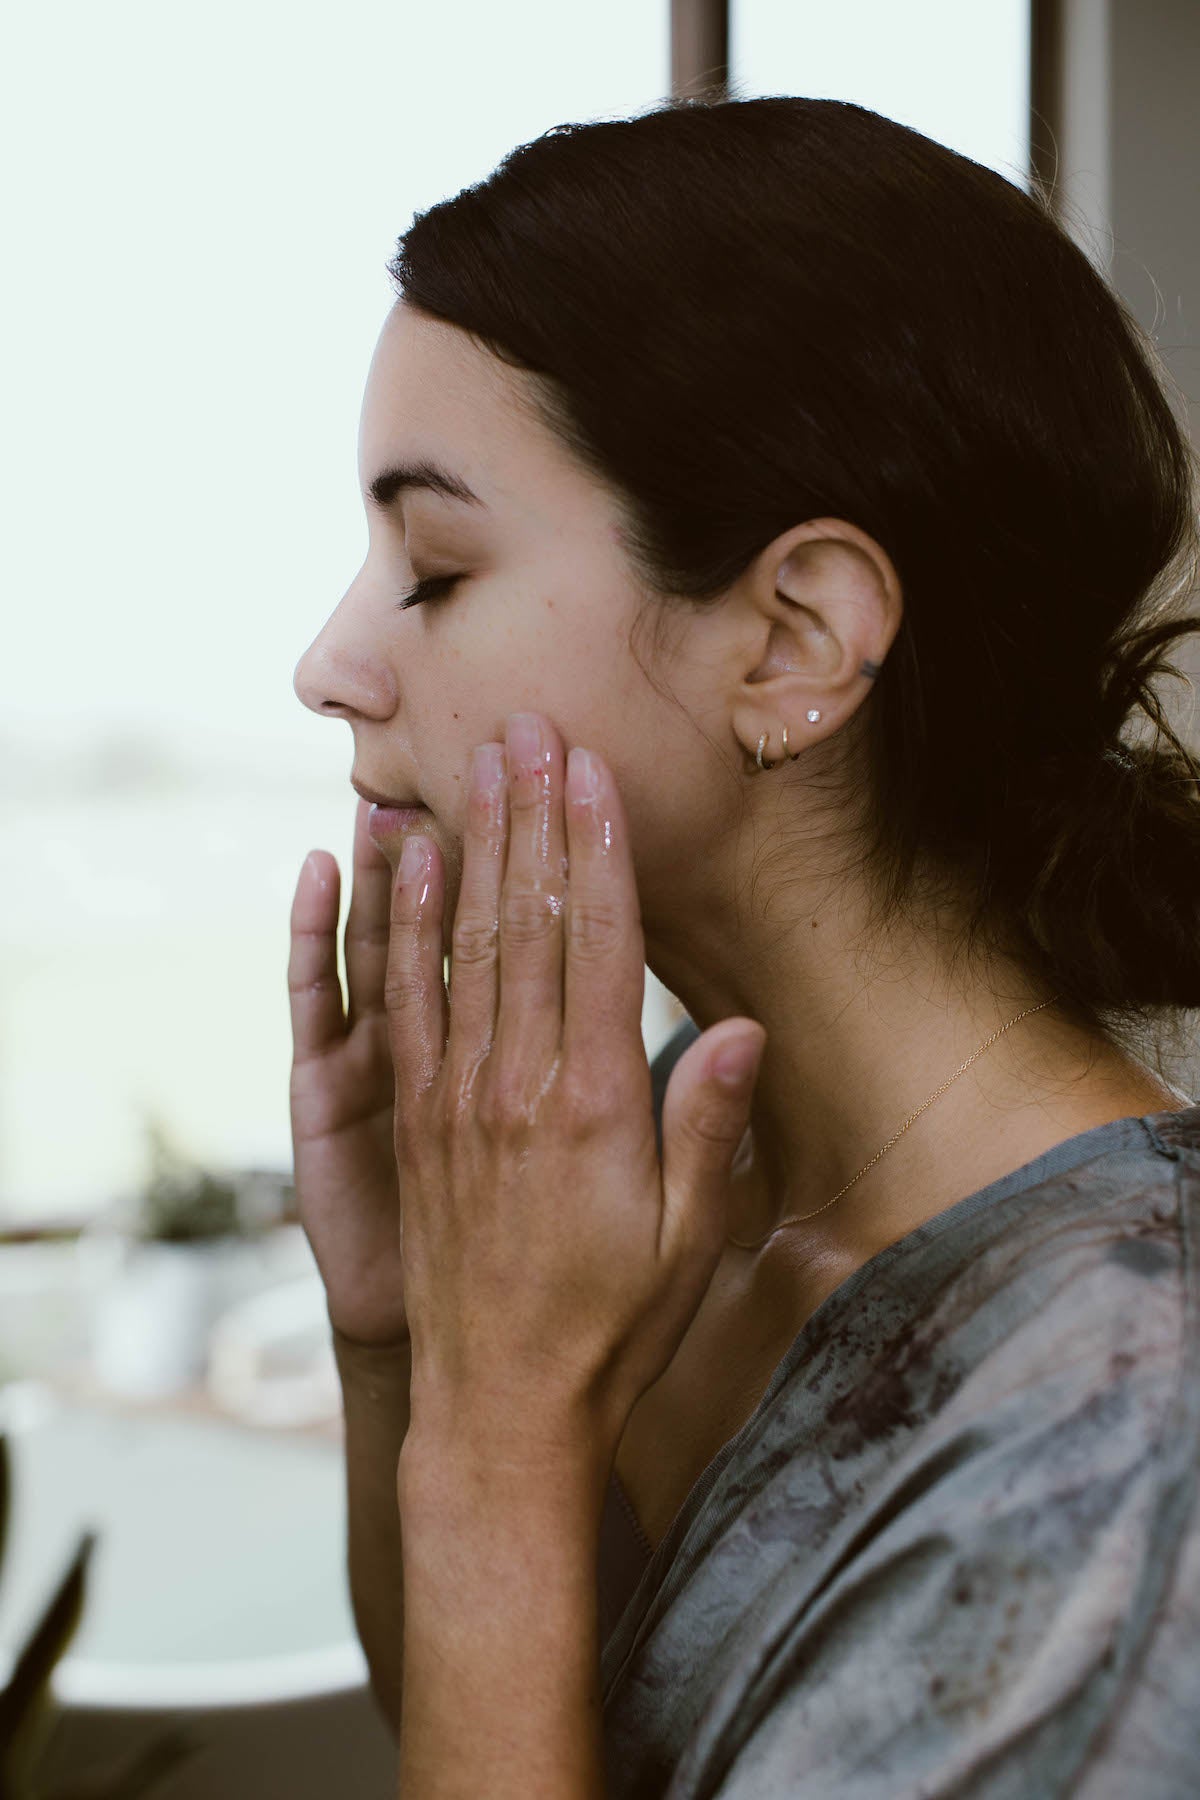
538	617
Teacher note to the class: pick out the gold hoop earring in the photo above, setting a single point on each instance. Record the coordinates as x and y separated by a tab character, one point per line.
788	755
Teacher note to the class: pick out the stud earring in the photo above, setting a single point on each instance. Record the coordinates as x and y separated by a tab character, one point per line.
812	715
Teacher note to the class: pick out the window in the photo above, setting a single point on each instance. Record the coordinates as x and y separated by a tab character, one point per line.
958	73
197	239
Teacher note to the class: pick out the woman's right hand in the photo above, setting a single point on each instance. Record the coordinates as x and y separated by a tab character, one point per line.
342	1093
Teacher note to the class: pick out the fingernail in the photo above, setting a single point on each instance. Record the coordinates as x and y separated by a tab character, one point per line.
735	1064
412	858
525	738
488	770
583	778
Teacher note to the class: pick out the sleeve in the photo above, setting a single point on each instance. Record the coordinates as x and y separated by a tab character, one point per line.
978	1629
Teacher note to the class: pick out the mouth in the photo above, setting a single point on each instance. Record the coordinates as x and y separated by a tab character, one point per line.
390	816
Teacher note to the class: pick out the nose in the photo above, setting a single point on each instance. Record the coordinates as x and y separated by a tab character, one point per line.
342	674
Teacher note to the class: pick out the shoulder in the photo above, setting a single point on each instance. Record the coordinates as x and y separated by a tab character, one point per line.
962	1520
1072	1298
958	1549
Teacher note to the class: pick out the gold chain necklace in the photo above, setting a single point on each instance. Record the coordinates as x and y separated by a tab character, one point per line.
801	1218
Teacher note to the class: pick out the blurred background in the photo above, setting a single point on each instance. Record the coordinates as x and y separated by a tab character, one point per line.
200	204
205	202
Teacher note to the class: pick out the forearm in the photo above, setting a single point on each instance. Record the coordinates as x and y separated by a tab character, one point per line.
501	1651
376	1386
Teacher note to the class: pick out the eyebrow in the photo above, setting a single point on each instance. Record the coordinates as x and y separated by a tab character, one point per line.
403	477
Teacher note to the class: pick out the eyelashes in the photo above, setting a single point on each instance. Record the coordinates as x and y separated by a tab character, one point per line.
432	588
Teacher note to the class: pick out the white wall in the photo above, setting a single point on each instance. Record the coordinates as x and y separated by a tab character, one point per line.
958	72
199	205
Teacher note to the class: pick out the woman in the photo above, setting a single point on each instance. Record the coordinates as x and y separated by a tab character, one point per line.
870	1468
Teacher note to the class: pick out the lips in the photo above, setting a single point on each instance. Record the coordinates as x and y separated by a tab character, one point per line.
388	825
389	800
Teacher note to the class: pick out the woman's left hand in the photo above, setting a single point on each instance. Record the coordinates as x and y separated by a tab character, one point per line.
552	1264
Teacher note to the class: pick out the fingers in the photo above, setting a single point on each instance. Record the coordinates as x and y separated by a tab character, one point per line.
476	947
314	990
537	971
414	990
529	1011
605	947
367	923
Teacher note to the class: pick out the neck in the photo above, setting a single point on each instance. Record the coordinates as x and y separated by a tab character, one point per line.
851	1054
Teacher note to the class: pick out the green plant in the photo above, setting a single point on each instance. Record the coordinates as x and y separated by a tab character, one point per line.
27	1707
182	1202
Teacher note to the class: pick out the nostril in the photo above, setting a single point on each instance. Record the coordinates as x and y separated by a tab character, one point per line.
343	687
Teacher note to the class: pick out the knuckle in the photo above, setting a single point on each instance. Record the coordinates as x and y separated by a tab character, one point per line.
312	985
474	940
503	1106
400	991
593	927
404	950
374	936
529	915
592	1099
710	1124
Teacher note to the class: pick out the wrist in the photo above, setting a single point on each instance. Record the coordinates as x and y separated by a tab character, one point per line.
456	1465
376	1368
352	1346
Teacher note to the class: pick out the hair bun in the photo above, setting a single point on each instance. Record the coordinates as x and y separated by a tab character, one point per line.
1106	848
1115	754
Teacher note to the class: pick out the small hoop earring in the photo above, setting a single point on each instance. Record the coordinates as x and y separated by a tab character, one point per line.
788	755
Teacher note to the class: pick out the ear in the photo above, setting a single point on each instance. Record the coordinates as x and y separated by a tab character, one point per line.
830	603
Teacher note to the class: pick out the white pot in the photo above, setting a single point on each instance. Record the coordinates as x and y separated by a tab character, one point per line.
152	1320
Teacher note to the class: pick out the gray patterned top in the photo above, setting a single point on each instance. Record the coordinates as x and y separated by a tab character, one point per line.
955	1551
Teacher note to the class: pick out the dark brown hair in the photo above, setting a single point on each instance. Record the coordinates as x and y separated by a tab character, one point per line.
742	314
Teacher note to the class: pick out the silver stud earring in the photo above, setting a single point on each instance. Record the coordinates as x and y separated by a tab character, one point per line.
812	715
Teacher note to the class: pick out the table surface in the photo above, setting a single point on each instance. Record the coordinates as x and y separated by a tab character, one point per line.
217	1540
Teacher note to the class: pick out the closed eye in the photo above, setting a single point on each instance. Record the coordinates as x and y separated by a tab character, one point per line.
432	588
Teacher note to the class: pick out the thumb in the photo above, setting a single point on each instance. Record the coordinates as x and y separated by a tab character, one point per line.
705	1111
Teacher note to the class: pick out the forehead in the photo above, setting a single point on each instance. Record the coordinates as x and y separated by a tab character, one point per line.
432	393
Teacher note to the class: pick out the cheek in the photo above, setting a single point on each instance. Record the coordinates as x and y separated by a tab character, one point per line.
681	840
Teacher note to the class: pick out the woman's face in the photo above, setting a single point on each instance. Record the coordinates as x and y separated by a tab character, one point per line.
538	618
